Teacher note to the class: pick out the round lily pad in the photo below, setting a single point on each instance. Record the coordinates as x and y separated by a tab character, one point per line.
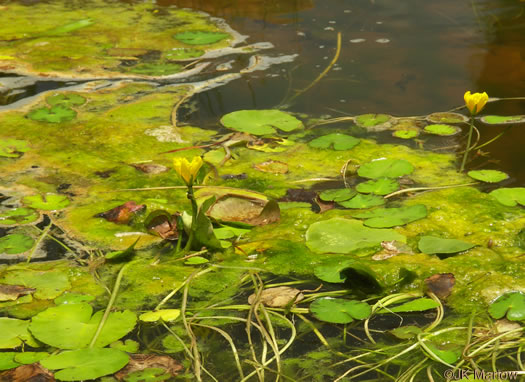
339	311
441	129
446	117
13	148
392	217
502	119
12	332
337	195
363	201
385	168
372	120
510	196
431	244
340	235
55	114
405	134
489	176
16	216
16	243
184	54
47	202
381	186
198	37
510	304
338	141
261	122
67	99
86	364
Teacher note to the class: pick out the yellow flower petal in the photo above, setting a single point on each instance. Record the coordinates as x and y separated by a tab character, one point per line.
475	102
188	171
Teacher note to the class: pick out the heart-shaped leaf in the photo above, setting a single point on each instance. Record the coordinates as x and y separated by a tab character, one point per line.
392	217
16	243
489	176
385	168
363	201
510	196
65	99
338	141
261	122
339	311
381	186
12	332
55	114
17	216
510	304
431	244
337	195
166	315
371	120
47	202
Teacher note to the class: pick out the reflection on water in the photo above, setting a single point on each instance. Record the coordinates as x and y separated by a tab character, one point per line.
403	58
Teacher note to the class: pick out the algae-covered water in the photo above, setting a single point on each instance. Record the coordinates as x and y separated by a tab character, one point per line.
261	191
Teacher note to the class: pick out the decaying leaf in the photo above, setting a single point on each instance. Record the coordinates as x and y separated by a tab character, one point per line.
278	297
324	206
12	292
441	284
27	373
122	214
163	224
138	362
391	249
149	168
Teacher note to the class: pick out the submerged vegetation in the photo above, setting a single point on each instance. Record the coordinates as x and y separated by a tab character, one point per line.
309	252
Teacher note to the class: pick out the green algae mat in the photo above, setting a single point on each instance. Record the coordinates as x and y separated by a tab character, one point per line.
135	247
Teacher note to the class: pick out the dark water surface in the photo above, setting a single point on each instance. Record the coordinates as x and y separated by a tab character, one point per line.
399	57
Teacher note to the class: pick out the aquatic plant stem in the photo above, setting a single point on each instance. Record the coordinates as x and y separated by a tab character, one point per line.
469	140
491	140
194	211
35	246
427	189
110	305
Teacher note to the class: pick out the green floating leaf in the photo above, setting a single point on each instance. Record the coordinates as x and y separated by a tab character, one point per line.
166	315
46	202
18	216
196	260
7	360
447	356
385	168
339	311
333	271
85	364
13	148
340	235
184	54
446	118
48	284
363	201
431	244
29	357
370	120
71	326
228	232
381	186
151	374
406	332
392	217
73	298
440	129
197	37
405	134
338	141
510	304
510	196
337	194
502	120
16	243
261	122
155	68
12	332
55	114
68	99
129	346
417	305
489	176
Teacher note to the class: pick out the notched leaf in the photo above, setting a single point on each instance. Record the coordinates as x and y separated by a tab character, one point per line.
122	214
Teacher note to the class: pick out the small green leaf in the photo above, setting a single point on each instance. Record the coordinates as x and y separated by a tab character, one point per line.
129	346
29	357
370	120
7	361
55	114
337	195
502	120
12	332
510	196
510	304
381	186
198	37
196	260
405	134
85	364
18	216
47	202
338	141
431	244
165	315
363	201
392	217
489	176
385	168
418	305
447	356
68	99
406	332
16	243
440	129
446	117
13	148
261	122
339	311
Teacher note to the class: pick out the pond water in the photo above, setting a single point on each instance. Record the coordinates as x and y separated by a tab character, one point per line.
297	109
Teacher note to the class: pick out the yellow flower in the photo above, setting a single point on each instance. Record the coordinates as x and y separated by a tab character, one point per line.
475	102
188	171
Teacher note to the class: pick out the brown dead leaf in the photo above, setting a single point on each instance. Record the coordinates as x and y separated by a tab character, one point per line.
441	284
122	214
324	206
12	292
235	208
163	225
278	297
149	168
139	362
27	373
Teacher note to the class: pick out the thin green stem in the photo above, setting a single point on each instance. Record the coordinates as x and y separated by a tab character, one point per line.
469	140
194	211
42	236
